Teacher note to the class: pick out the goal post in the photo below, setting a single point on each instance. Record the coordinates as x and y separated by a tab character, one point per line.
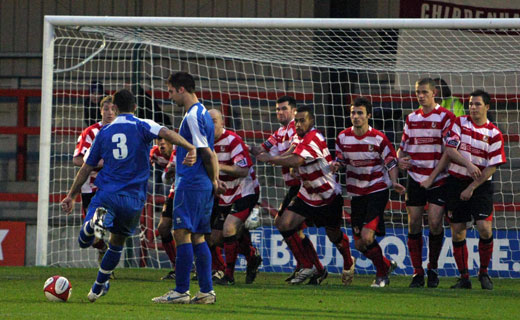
241	66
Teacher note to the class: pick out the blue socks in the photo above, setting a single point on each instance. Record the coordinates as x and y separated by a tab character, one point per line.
183	265
86	235
108	264
203	264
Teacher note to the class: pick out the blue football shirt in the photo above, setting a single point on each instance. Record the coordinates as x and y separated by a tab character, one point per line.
196	127
124	145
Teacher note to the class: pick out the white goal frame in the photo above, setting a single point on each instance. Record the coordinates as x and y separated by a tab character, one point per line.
50	22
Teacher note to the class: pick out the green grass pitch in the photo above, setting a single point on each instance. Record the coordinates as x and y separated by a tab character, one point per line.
21	297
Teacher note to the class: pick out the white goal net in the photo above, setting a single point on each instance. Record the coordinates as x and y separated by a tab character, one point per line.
241	67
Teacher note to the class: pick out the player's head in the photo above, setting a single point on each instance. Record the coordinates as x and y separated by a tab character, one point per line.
179	84
96	90
479	101
218	122
124	101
108	110
304	120
360	112
425	92
165	147
285	109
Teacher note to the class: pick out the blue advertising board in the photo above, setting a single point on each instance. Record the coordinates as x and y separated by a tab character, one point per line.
505	261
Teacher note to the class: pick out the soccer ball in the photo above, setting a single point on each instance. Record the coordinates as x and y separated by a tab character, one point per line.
57	289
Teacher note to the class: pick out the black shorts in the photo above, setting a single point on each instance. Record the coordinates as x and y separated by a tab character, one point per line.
240	208
330	215
416	196
167	211
85	202
479	206
369	211
289	196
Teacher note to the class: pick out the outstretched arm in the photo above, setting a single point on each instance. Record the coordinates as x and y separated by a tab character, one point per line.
234	170
176	139
286	160
79	180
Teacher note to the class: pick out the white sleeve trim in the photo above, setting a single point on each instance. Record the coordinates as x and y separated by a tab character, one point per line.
199	140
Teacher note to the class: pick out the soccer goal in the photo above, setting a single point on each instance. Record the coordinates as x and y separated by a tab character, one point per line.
241	67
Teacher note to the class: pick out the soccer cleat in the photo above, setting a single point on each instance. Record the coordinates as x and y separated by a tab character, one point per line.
252	268
92	297
381	282
462	283
417	281
393	266
433	278
217	274
97	222
485	281
173	296
293	274
348	275
318	278
225	281
303	275
169	276
204	298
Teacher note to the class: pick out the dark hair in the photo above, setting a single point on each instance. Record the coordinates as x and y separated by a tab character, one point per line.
428	81
124	100
307	109
481	93
289	99
443	87
363	102
182	79
97	87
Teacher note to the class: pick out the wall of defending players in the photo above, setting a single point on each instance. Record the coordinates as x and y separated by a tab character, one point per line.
278	258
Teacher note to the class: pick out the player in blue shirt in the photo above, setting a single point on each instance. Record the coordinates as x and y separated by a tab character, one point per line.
124	145
194	187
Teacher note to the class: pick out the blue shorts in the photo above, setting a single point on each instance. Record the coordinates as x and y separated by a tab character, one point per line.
192	210
123	212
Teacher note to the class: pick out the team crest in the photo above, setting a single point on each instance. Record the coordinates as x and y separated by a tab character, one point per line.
485	139
370	147
434	125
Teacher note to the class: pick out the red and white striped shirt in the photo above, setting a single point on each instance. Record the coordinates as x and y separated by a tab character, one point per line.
482	145
319	186
172	161
278	143
423	139
368	159
157	158
231	150
84	143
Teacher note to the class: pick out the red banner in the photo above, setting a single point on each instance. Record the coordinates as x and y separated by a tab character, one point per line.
12	243
440	9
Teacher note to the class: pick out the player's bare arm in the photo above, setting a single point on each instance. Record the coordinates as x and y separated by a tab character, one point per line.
256	150
288	160
441	166
170	173
79	180
486	173
456	157
234	170
403	158
210	161
394	174
176	139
